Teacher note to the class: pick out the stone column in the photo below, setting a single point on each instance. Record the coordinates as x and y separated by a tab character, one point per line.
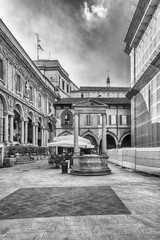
42	136
6	127
104	134
26	132
33	134
76	152
22	130
11	128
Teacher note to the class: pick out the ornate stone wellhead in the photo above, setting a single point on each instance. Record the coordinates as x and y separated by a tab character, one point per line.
90	164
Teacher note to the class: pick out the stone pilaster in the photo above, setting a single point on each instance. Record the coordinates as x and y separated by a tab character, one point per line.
33	134
104	134
22	130
26	132
76	151
6	127
11	128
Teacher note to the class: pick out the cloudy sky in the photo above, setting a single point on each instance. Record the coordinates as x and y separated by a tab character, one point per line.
86	36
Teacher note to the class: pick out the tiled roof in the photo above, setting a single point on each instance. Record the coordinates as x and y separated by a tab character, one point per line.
107	89
70	101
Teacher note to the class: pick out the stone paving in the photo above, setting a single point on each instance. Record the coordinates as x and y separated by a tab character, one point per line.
121	206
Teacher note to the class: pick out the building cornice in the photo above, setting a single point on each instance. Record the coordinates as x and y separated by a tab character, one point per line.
22	57
145	78
144	11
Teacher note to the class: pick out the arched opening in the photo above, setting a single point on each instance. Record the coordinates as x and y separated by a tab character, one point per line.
50	132
30	130
39	134
1	121
17	124
92	140
111	143
126	141
66	119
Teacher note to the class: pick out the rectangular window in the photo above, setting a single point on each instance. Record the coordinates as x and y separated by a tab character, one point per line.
63	84
88	120
99	119
123	120
67	88
31	94
18	84
49	107
87	94
1	69
112	119
39	101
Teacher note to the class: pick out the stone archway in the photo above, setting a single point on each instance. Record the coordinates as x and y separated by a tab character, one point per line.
110	142
50	132
126	140
18	124
92	140
40	132
30	128
3	119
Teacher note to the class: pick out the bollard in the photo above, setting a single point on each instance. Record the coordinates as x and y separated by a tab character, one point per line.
64	167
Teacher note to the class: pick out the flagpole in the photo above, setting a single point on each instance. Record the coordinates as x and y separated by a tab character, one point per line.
37	47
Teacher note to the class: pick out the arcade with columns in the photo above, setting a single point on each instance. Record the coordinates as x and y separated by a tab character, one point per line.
21	124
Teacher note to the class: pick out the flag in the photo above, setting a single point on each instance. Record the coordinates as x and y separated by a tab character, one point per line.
38	42
39	47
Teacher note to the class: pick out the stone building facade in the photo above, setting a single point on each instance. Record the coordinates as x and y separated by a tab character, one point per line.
143	46
26	96
90	125
58	77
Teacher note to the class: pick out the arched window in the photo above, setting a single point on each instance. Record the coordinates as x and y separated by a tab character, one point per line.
1	69
67	119
39	100
18	84
1	120
31	93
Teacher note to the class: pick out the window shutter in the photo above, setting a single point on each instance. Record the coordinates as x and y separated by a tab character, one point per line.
106	119
110	119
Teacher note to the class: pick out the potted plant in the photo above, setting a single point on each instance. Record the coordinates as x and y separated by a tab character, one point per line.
54	160
11	151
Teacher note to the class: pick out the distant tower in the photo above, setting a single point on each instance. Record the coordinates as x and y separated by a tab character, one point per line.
108	80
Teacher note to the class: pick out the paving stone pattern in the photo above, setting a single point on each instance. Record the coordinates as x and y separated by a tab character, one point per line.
139	193
53	202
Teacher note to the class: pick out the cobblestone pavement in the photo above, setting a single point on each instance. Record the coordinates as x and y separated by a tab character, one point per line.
37	202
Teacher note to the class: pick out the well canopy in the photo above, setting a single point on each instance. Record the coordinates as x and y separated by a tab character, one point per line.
68	142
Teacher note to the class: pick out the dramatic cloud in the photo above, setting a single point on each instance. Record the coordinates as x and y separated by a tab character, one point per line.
98	11
86	36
